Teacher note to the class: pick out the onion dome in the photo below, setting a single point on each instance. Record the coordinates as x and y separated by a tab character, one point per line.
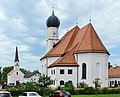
53	21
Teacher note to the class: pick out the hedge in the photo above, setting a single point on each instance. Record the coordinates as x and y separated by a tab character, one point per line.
86	90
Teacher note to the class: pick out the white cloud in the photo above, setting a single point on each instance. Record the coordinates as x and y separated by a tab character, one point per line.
2	15
23	25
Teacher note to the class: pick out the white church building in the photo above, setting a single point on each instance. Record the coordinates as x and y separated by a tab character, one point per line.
16	76
78	56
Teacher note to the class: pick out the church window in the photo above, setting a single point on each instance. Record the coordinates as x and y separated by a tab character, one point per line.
61	82
83	71
53	82
69	71
16	73
69	81
61	71
97	70
53	43
54	71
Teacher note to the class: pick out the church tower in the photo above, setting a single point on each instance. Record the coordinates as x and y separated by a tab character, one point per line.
53	36
16	66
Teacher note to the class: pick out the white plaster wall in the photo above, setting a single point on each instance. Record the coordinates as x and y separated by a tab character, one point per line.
51	31
65	77
33	78
113	79
12	78
52	37
91	59
46	62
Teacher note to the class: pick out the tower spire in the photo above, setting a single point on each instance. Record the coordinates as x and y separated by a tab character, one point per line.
53	8
16	55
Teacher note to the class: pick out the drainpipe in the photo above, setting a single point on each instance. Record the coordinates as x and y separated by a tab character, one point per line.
77	68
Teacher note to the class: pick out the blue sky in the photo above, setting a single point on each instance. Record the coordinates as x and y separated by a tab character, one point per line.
23	24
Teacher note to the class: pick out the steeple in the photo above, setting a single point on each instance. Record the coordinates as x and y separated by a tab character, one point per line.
16	56
53	21
53	24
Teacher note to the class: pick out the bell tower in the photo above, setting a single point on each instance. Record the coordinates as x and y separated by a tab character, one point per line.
52	36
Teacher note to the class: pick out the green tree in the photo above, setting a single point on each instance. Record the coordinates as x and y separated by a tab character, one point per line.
6	70
68	86
44	82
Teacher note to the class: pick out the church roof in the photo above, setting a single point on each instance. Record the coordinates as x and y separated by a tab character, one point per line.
16	55
67	60
84	40
90	41
64	43
28	75
114	72
53	21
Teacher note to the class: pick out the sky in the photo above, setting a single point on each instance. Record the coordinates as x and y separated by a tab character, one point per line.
23	24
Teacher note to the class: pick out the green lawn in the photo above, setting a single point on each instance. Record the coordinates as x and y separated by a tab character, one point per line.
104	95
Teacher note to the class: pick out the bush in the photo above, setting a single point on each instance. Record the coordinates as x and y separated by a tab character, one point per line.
88	90
105	91
82	85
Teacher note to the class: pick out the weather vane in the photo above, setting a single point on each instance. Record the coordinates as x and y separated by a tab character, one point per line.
90	19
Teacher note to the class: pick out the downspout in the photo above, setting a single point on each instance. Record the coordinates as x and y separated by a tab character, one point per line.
46	66
77	68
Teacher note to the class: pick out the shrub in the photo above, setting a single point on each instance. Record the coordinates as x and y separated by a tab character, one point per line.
88	90
82	85
105	91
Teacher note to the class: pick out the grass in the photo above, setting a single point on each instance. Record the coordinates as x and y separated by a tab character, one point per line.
99	95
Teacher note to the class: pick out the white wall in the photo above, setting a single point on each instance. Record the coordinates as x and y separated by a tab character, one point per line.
65	77
114	79
91	59
46	62
13	77
33	78
52	37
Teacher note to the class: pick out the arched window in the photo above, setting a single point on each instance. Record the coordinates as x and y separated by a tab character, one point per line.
83	71
69	81
97	70
16	73
61	82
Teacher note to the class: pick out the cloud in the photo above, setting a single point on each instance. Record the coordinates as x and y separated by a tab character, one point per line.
23	24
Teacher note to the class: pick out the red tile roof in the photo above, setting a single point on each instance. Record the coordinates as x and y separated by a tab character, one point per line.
114	72
64	43
84	40
90	41
67	60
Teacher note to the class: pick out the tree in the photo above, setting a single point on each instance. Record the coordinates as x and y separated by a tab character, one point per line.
6	70
69	86
45	82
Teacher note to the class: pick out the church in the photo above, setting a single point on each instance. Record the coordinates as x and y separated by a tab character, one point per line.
79	56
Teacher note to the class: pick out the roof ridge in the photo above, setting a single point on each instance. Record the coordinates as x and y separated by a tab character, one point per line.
73	37
68	33
82	37
62	58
